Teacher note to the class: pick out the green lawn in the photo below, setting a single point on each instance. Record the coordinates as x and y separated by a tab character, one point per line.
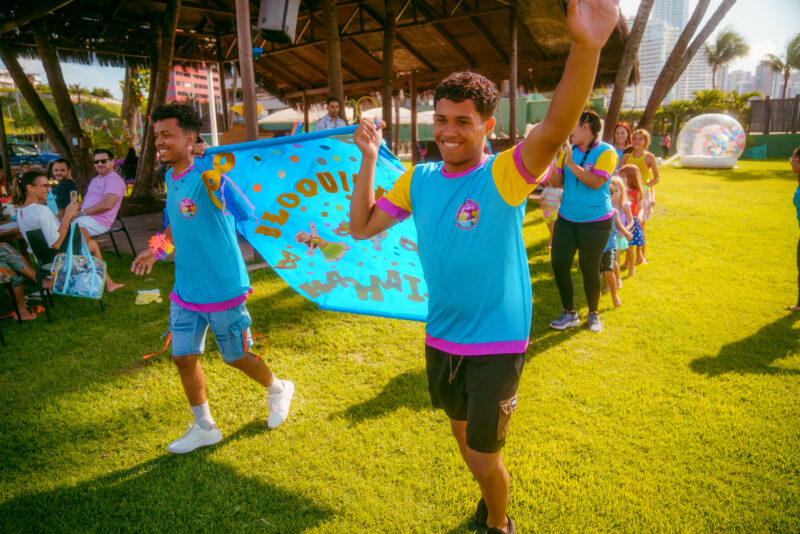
682	416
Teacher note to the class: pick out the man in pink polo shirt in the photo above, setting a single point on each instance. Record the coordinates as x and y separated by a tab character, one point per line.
103	196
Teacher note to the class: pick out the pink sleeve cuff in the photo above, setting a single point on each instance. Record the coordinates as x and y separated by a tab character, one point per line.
395	211
524	172
604	174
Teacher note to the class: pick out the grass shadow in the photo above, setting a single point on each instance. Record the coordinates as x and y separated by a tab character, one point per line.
739	175
755	353
179	491
407	390
467	526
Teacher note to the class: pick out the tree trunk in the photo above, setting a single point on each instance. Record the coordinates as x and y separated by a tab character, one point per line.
130	102
714	76
334	52
82	167
389	30
143	169
145	179
6	179
679	60
44	119
625	67
786	76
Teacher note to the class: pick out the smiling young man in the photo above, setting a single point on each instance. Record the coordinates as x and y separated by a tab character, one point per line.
62	172
103	196
211	282
468	212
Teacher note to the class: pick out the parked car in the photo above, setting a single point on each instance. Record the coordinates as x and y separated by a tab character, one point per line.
20	153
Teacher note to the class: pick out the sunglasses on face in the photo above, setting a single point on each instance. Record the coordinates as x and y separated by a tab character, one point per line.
100	161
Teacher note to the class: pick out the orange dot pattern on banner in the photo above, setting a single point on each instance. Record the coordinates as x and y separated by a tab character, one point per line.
294	159
324	213
257	188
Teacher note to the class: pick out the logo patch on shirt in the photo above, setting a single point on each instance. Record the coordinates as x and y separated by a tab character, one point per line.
187	208
468	214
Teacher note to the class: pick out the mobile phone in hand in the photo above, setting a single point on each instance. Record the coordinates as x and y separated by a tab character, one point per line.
73	196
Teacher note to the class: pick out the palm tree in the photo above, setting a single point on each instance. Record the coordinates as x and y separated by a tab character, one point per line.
785	64
728	46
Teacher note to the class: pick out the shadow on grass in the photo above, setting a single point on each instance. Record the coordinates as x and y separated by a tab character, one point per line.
755	353
189	493
739	175
467	526
409	390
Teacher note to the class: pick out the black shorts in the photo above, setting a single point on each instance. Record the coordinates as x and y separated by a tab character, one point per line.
607	261
481	390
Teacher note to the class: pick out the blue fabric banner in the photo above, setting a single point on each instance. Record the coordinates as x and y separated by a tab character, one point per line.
291	199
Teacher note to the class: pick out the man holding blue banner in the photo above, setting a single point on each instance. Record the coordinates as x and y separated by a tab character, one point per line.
468	212
211	282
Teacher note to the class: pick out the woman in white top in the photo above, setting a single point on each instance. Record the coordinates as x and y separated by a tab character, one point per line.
32	189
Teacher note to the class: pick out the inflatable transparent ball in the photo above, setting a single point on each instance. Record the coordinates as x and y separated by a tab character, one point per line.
711	141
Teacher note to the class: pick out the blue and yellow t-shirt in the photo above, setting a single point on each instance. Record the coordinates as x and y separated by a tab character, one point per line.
210	274
469	231
579	202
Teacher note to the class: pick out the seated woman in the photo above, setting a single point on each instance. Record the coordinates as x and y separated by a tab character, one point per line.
31	195
14	269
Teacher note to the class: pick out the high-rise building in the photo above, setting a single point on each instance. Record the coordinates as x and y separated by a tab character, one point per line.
191	84
696	77
764	79
674	12
657	42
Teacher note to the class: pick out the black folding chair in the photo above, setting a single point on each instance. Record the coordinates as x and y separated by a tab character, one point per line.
114	229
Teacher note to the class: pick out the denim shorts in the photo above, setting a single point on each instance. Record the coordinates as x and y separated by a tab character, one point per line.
231	330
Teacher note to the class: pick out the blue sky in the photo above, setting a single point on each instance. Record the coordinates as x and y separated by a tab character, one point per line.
766	25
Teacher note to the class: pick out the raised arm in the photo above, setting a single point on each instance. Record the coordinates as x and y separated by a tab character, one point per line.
591	23
366	219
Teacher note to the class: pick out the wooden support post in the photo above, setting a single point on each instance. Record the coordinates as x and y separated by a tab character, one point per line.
767	114
306	126
512	80
413	89
223	92
245	45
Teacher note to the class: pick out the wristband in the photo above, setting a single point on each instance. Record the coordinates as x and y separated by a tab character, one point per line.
160	246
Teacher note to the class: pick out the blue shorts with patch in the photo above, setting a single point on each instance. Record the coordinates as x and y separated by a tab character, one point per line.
231	330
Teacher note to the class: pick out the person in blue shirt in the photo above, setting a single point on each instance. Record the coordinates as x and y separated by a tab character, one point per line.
584	169
795	162
468	211
211	282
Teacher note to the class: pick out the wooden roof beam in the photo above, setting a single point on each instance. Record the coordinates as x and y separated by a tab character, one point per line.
366	52
40	9
399	38
485	33
429	13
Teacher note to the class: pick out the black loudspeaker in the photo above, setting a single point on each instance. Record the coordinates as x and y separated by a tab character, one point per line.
277	20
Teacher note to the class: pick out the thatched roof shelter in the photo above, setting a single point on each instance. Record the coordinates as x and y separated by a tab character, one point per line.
433	39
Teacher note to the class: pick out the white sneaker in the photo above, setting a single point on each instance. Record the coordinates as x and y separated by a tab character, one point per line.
194	438
278	404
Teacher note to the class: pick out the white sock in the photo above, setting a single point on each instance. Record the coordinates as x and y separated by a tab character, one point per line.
275	387
202	416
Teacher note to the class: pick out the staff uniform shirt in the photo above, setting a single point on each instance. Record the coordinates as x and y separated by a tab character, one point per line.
98	188
210	274
796	201
579	202
469	231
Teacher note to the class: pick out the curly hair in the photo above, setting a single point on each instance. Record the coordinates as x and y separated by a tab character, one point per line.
187	117
466	85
